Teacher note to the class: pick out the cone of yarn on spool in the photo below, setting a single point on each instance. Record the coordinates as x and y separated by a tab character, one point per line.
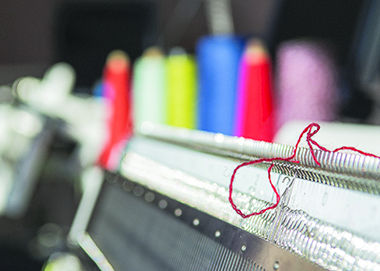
306	82
117	94
181	89
255	116
218	63
149	88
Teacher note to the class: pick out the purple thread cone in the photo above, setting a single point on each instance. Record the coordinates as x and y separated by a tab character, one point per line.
306	82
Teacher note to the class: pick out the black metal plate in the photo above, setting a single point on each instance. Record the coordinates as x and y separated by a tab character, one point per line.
139	229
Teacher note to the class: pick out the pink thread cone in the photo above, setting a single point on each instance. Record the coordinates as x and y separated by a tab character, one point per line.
306	82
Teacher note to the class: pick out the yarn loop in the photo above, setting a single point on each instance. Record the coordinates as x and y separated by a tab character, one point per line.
310	131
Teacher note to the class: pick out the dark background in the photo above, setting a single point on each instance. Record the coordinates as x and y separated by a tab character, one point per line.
35	34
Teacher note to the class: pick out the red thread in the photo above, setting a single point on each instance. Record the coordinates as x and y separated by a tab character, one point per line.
309	134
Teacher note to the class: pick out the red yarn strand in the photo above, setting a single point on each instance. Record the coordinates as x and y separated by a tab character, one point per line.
309	134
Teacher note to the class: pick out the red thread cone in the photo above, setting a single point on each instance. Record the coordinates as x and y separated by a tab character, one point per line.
256	116
117	92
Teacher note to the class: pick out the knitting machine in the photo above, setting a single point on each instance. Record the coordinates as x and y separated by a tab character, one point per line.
167	207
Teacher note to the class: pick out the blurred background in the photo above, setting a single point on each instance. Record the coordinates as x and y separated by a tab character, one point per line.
54	121
82	33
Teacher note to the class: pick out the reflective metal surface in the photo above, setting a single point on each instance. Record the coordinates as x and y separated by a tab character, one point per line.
130	229
327	215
